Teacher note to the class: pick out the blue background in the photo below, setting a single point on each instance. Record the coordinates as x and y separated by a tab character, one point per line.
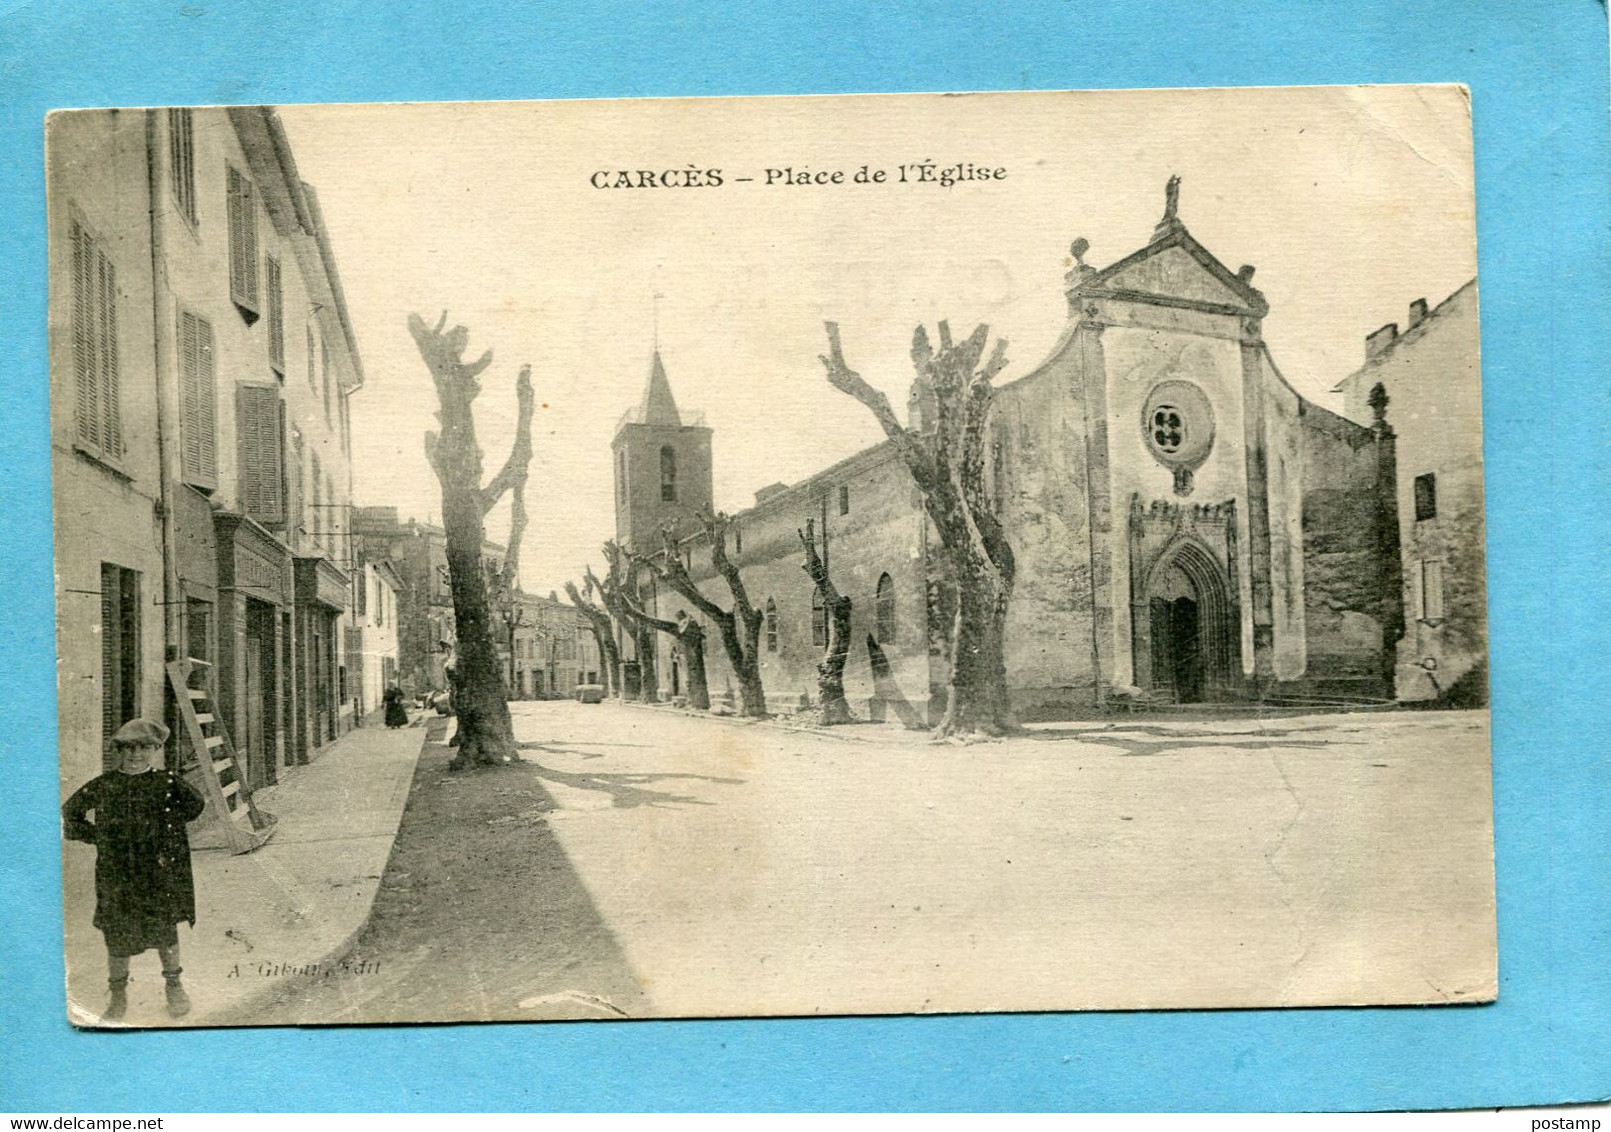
1538	73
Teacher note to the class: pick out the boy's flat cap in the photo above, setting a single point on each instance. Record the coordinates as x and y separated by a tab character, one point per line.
140	733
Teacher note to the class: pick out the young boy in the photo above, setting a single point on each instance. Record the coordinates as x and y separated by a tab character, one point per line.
143	883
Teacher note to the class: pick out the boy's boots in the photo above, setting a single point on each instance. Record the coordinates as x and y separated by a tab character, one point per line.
178	1000
117	1002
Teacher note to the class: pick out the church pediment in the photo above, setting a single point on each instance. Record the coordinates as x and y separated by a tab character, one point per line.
1174	273
1171	270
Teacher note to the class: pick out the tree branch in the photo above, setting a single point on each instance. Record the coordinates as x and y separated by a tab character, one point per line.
846	380
516	467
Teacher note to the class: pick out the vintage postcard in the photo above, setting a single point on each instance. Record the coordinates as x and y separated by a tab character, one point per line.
770	556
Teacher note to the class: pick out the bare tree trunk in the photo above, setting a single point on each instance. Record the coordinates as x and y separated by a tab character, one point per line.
603	634
688	633
643	636
947	465
740	627
836	608
885	688
480	696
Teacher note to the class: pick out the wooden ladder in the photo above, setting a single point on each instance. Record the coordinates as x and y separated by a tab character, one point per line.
232	819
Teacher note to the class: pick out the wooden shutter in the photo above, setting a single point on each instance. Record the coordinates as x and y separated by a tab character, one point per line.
182	160
257	431
197	387
318	511
112	424
276	315
242	241
86	381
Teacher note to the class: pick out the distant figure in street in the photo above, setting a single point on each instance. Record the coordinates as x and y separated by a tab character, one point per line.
143	882
396	711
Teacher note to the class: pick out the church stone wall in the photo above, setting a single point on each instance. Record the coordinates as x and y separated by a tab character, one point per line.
1342	558
1038	464
882	532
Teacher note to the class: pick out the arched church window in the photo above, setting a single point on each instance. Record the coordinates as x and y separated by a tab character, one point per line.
884	610
819	620
771	625
668	474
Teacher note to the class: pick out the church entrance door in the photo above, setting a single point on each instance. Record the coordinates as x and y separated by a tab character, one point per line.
1187	628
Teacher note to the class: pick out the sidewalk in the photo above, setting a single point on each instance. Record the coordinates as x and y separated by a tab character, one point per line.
282	915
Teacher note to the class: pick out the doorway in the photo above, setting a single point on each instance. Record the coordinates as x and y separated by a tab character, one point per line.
1185	632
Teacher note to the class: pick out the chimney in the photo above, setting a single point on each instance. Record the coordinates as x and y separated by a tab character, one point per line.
1380	340
1245	274
1417	314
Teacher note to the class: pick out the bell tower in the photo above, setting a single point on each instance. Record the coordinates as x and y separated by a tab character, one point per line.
662	467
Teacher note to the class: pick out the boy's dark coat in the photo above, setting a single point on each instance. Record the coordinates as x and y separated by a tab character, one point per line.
142	854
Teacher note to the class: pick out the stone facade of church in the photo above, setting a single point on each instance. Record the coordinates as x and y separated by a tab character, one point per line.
1187	527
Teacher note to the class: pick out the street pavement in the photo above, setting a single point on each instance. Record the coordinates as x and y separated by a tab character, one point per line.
1299	860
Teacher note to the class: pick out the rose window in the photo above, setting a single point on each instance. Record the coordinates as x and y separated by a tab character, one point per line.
1168	428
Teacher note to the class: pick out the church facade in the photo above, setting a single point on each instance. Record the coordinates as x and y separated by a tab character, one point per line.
1187	527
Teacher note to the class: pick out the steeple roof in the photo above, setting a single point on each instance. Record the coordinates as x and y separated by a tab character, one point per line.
658	407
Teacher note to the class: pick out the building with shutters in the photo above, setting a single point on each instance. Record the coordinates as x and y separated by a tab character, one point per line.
1187	528
201	363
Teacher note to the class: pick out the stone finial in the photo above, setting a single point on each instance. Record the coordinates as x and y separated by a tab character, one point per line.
1078	249
1171	199
1245	274
1379	400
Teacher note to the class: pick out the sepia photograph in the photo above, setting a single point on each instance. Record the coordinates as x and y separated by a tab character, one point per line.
785	556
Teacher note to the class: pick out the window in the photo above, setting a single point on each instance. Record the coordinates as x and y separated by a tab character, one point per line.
620	477
844	500
199	395
182	162
276	316
771	625
1168	428
884	610
668	475
242	242
819	620
1426	496
98	417
1432	591
260	447
120	648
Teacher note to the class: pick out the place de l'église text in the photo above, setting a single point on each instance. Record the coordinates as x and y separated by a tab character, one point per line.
799	176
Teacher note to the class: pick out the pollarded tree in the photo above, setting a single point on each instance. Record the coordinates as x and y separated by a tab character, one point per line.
685	631
643	636
946	462
603	634
740	627
836	610
480	697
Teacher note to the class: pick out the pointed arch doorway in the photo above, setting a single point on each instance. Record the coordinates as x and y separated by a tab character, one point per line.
1185	627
